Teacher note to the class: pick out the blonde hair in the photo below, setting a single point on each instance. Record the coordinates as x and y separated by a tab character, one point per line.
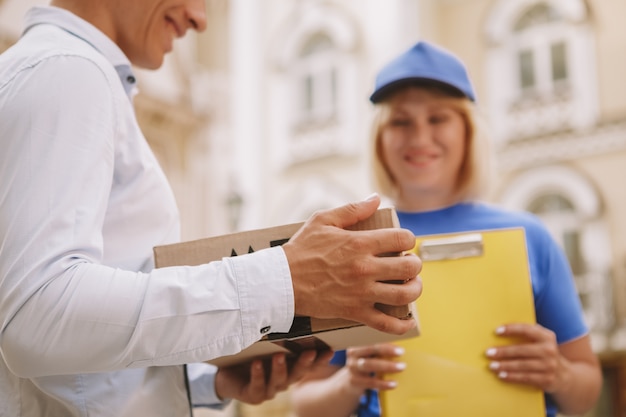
474	176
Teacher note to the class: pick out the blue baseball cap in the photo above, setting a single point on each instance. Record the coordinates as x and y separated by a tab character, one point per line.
424	62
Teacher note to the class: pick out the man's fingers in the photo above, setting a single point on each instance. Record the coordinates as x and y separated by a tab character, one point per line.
302	365
279	373
397	294
257	377
378	320
385	241
363	309
337	273
348	214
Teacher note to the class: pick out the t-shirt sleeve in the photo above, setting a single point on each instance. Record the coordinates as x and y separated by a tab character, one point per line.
339	358
557	303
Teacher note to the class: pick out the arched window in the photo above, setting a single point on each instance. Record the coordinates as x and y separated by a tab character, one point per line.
542	52
560	215
315	85
540	71
570	208
316	81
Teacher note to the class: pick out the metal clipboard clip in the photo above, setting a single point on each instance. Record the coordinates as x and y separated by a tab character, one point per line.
456	247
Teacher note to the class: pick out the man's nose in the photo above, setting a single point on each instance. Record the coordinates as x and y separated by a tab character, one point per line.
196	15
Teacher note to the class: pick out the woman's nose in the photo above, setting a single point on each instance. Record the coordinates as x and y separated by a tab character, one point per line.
420	133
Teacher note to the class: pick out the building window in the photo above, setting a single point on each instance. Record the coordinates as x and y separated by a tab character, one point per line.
541	73
570	208
542	59
558	67
316	86
316	78
527	70
558	53
536	15
559	215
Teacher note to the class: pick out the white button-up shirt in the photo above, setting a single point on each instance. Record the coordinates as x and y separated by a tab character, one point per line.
88	328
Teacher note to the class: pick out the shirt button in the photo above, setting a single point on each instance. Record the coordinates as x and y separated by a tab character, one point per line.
130	79
265	329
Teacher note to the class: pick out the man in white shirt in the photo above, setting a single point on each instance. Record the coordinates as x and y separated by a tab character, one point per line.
87	326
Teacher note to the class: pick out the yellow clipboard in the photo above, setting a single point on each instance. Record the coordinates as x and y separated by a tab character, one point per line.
473	283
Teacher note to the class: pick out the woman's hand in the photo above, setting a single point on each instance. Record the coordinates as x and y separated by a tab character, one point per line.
368	364
535	360
570	372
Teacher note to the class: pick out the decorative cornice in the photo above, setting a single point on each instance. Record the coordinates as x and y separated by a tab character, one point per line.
602	139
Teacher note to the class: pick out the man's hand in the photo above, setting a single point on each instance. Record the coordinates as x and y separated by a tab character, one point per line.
337	273
254	383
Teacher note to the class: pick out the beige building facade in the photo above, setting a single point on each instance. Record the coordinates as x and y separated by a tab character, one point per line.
549	81
264	119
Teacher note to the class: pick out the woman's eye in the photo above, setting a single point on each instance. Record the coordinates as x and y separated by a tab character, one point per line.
438	118
399	122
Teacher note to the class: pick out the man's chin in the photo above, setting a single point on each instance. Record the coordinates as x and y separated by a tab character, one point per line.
150	63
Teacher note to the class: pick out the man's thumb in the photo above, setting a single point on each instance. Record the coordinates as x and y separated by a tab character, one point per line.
361	210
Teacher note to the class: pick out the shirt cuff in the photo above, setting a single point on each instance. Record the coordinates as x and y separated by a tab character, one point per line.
267	305
201	378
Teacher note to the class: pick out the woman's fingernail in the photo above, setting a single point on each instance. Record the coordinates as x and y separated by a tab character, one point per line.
502	375
500	330
400	366
398	351
494	365
491	352
371	197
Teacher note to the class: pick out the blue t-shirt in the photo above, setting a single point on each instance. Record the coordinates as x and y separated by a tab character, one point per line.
557	305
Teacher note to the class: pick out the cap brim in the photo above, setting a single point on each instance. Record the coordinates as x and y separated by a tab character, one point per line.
388	89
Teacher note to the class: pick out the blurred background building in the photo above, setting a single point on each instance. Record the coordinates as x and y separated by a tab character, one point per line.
264	118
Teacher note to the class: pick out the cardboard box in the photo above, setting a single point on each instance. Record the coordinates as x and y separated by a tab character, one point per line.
306	332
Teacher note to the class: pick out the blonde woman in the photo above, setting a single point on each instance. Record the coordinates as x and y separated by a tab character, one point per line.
430	157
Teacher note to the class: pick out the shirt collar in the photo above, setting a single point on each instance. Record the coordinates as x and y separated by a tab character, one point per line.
88	33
